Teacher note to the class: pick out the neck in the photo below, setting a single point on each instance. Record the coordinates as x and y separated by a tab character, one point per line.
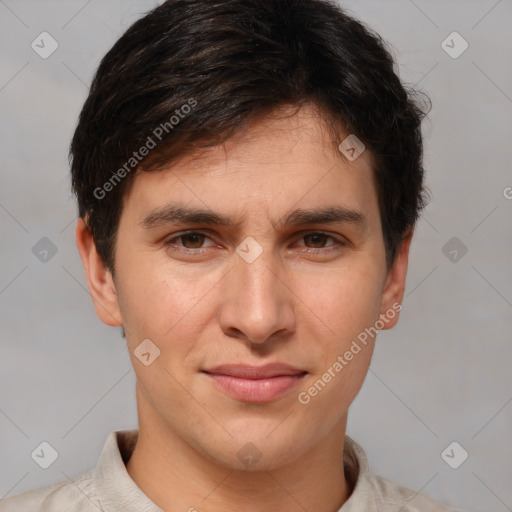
177	476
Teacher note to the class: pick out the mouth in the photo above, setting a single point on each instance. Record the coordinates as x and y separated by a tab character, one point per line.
255	384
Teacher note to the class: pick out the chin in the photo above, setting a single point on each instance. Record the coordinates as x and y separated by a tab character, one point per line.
257	448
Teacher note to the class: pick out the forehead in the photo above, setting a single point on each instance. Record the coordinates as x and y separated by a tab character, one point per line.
276	163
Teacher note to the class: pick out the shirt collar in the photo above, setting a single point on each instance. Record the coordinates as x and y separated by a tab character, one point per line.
357	473
114	487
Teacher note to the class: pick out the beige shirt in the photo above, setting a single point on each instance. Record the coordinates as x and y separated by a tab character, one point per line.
109	488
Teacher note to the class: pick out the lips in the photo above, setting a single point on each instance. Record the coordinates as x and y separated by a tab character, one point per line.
255	372
250	383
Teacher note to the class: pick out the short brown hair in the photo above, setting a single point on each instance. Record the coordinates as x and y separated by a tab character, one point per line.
195	72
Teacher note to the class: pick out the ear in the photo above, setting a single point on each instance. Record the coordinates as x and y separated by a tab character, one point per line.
394	287
99	278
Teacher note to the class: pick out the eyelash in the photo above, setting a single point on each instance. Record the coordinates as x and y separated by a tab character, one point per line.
338	243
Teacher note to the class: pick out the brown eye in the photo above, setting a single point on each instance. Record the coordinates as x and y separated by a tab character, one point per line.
192	240
318	240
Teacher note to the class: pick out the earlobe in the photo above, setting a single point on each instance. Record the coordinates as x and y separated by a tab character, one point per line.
393	293
99	278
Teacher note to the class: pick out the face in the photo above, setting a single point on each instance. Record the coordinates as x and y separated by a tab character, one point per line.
254	268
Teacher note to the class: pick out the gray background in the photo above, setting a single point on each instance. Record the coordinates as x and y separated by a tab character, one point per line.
442	375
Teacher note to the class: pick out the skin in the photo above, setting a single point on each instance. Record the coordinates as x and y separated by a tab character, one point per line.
302	301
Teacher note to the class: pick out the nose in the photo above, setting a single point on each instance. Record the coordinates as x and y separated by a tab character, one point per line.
257	304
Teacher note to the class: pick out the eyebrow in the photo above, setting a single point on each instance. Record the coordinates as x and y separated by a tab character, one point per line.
177	214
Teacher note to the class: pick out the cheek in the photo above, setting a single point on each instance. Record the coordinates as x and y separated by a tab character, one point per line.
342	350
163	303
345	300
344	303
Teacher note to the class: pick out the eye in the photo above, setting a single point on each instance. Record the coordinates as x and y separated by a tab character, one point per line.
189	241
318	240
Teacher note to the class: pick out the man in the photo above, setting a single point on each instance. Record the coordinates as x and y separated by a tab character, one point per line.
248	175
